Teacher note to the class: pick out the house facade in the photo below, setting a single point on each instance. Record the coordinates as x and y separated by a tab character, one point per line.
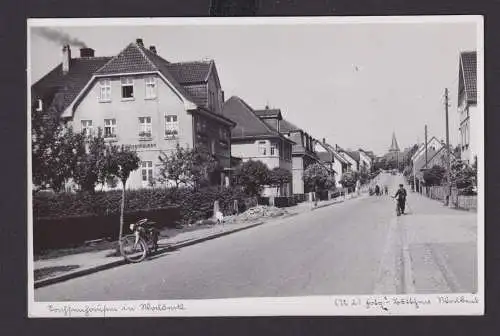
303	154
365	160
419	163
469	116
329	156
256	138
142	101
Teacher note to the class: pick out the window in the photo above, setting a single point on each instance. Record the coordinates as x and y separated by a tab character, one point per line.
145	127
87	127
273	149
127	88
201	125
262	148
171	126
110	128
39	107
150	88
105	90
147	172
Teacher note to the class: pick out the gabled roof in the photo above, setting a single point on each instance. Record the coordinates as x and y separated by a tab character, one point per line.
248	124
354	154
325	156
134	58
70	85
286	126
468	67
422	147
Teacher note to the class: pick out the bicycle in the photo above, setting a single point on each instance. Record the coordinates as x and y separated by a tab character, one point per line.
142	242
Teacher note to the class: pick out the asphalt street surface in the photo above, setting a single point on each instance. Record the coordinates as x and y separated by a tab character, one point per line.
346	248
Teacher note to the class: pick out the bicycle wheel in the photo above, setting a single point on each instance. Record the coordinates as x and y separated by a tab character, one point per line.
132	251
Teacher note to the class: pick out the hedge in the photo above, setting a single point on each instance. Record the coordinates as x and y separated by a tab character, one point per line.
63	232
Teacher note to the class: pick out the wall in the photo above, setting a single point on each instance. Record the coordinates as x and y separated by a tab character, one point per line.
297	175
127	113
475	132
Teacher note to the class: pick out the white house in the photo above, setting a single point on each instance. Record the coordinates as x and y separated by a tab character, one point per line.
470	118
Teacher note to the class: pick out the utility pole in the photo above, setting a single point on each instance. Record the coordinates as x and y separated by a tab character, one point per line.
425	147
448	168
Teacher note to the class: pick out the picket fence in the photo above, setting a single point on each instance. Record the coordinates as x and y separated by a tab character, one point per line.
456	200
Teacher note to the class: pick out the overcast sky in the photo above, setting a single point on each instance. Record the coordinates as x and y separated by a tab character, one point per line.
353	84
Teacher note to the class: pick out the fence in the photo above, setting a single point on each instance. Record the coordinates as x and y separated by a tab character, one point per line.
456	200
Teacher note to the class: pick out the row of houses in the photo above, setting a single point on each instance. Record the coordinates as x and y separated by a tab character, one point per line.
149	104
469	125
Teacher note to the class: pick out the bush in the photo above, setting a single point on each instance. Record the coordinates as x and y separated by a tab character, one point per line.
284	201
193	205
69	231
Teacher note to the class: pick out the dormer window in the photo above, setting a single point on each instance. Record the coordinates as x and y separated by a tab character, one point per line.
127	88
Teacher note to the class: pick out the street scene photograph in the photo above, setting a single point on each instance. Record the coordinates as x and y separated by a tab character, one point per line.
219	159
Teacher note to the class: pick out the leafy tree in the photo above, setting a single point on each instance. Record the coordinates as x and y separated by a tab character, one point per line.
120	162
278	177
54	148
349	179
91	167
364	175
252	176
463	177
188	167
434	176
317	177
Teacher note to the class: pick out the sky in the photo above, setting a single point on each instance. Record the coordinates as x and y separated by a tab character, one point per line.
350	83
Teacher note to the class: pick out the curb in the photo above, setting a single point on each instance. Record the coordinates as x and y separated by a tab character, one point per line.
113	264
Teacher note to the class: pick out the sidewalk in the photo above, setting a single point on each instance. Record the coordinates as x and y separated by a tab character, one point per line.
54	270
440	244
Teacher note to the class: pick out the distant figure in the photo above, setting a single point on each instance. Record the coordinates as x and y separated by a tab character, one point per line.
386	190
377	190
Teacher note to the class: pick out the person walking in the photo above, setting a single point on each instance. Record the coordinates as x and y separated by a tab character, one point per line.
386	190
377	190
401	198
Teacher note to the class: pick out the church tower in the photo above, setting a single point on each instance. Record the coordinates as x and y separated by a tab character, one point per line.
394	149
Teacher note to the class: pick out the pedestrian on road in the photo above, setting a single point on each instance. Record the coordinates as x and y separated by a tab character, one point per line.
401	197
386	190
377	190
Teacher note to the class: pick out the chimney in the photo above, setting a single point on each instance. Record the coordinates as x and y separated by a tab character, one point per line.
324	140
86	52
139	42
152	49
66	58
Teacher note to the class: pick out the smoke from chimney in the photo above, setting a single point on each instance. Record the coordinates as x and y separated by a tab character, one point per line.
59	37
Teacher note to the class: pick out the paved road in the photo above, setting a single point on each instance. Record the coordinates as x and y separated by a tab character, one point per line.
347	248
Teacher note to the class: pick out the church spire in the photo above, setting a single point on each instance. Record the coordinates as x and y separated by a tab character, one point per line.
394	144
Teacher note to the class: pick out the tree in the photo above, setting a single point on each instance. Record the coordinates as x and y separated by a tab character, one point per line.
317	177
349	179
364	175
463	177
54	148
91	166
278	177
434	176
252	176
188	167
120	162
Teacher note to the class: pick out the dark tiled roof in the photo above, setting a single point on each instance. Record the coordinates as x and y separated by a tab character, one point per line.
286	126
68	86
248	124
190	72
129	60
325	156
134	58
354	155
268	113
469	66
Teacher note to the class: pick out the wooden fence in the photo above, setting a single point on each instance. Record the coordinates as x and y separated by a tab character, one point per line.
456	200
